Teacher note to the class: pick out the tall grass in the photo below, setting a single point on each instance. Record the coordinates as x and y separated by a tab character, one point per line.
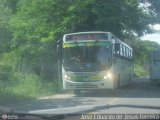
25	86
140	70
19	82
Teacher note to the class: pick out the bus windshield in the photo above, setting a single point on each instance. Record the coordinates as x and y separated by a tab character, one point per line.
87	58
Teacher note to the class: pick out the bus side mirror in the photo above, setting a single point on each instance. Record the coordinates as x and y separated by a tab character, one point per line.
117	47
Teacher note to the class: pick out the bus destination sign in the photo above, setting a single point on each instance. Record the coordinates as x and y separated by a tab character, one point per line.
87	36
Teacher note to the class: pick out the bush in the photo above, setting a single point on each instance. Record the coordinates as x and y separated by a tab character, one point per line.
140	71
25	86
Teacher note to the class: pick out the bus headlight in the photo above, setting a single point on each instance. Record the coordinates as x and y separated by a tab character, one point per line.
105	77
66	77
108	76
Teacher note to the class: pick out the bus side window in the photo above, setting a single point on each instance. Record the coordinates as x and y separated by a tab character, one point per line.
121	50
130	54
127	53
116	51
124	52
113	47
117	48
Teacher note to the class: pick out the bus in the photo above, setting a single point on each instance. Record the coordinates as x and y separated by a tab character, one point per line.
94	60
155	67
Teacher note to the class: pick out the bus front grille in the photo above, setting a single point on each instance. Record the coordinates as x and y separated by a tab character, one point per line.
87	86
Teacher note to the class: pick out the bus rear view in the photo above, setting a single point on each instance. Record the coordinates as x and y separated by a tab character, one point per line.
155	67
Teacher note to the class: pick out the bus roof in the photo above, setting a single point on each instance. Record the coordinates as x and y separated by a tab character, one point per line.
117	39
88	32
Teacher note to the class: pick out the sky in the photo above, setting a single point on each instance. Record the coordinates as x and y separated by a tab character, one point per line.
153	37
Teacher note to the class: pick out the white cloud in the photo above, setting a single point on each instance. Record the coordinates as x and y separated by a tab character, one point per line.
157	27
153	37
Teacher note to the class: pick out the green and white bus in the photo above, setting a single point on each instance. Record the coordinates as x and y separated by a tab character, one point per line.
155	67
94	60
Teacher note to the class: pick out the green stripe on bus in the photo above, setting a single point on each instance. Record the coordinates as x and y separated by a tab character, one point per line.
66	45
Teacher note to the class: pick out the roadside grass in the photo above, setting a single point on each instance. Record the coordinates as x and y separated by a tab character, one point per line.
140	71
24	87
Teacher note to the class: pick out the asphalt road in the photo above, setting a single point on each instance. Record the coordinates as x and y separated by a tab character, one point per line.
139	98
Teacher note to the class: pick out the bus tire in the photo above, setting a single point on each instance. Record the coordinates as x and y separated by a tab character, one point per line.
77	92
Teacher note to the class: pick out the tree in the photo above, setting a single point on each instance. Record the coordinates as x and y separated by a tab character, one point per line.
34	26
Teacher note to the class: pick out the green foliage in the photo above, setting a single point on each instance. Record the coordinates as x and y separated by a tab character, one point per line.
30	28
25	86
142	51
140	71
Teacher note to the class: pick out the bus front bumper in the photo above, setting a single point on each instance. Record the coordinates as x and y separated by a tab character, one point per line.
88	85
